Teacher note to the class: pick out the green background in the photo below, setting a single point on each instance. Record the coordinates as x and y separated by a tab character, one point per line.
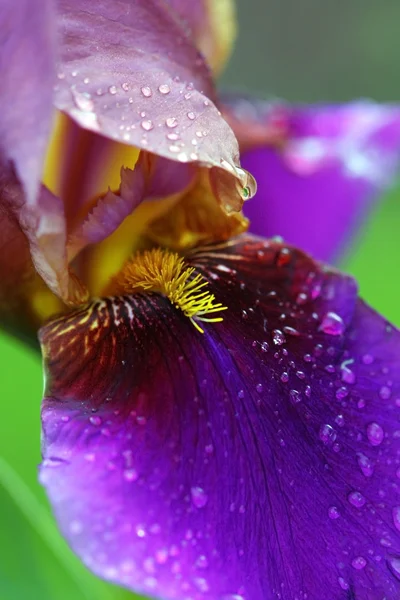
305	51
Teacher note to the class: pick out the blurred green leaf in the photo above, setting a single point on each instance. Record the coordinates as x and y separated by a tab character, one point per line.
374	257
35	561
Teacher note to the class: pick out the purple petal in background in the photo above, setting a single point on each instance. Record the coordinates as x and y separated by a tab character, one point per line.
27	40
317	185
259	460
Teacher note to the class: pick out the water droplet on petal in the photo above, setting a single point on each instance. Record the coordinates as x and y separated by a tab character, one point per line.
327	434
356	499
95	420
358	563
171	122
112	89
146	91
173	136
201	584
332	324
125	86
202	562
147	125
83	101
278	337
343	583
365	464
385	392
333	512
199	497
130	475
191	115
164	88
374	434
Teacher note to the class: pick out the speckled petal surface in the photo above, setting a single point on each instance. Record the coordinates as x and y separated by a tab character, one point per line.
259	460
129	70
329	165
27	41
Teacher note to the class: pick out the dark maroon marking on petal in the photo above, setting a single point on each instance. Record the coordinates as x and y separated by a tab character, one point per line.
259	460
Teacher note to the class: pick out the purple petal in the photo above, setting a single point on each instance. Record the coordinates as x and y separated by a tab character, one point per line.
27	76
335	162
43	226
259	460
130	72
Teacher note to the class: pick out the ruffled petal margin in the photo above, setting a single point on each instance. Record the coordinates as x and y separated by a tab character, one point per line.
319	169
259	460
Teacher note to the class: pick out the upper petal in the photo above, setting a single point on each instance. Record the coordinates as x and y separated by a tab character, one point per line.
130	71
257	461
328	166
27	41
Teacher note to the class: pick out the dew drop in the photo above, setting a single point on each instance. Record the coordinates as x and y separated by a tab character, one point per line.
365	464
278	337
112	90
259	388
199	497
332	324
146	91
356	499
171	122
358	563
374	434
327	434
333	512
173	137
385	392
147	125
191	115
83	101
341	393
284	377
164	88
95	420
264	347
202	562
283	257
130	475
201	584
343	583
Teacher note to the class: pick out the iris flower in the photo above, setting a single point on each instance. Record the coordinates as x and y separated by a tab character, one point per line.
221	410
